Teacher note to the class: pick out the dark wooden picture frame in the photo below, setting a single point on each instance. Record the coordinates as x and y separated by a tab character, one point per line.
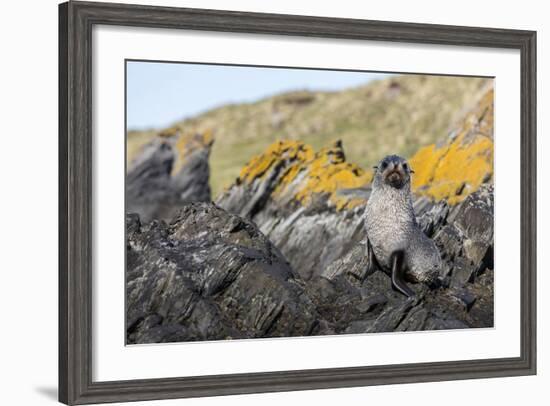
76	20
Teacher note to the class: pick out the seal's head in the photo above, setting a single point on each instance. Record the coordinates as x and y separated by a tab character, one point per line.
393	171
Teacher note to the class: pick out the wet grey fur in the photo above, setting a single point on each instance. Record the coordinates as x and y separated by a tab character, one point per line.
391	224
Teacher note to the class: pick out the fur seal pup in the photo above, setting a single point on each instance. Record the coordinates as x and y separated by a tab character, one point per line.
396	244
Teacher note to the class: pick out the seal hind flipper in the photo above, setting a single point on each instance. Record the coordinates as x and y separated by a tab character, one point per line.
373	264
397	272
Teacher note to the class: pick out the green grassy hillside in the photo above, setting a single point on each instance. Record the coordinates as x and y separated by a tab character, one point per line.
395	115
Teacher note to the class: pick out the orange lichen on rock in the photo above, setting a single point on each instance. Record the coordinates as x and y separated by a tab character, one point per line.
187	143
459	168
305	174
329	172
282	152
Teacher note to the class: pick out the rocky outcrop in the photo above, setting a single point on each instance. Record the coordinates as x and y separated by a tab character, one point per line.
298	199
170	171
210	275
282	251
463	296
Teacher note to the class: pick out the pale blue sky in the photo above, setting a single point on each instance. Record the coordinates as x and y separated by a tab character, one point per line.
159	94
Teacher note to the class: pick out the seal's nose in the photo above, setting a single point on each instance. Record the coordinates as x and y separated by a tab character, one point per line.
394	177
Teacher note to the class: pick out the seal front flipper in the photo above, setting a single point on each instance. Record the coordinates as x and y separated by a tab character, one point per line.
397	272
373	262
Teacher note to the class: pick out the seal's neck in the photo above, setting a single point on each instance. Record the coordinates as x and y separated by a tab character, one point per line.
378	186
399	198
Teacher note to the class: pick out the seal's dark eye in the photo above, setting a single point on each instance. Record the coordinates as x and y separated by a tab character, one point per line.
405	166
384	165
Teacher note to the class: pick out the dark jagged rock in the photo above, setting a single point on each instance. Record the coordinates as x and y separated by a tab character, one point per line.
210	275
313	241
474	218
433	219
462	272
392	317
169	172
353	263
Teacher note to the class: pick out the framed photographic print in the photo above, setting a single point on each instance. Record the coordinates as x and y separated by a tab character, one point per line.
259	202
